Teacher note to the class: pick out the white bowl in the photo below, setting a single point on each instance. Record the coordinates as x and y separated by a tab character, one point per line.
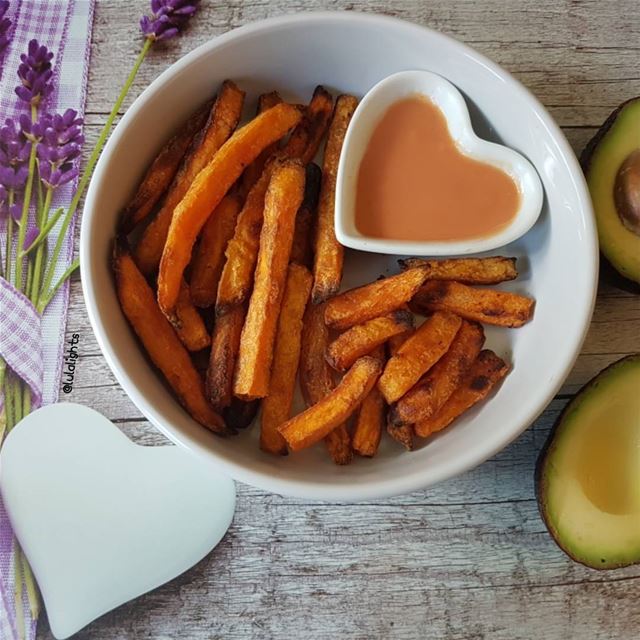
450	101
350	52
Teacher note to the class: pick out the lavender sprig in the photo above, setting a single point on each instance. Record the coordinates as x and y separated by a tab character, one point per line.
168	18
59	142
35	74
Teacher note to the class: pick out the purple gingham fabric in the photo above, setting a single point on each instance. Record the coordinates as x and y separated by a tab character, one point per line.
64	26
20	342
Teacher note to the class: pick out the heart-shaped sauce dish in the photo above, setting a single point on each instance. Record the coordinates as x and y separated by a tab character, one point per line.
414	178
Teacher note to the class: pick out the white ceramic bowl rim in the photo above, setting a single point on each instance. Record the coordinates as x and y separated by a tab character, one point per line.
385	486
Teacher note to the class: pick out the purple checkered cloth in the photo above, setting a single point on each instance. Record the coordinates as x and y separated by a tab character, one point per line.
33	346
20	341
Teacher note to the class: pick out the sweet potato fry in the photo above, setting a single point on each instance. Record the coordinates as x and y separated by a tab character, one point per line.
209	187
372	300
466	270
329	253
162	170
401	433
305	139
418	354
371	418
317	421
268	100
430	394
487	370
241	253
188	323
338	444
209	257
316	378
283	198
225	343
240	414
276	407
223	119
480	305
161	342
302	248
254	170
395	342
364	338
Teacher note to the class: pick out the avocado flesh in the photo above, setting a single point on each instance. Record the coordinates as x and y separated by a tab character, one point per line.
612	145
589	476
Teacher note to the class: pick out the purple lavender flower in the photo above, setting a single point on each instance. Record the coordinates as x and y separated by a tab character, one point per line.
14	148
59	139
55	177
14	156
12	178
35	74
168	18
5	25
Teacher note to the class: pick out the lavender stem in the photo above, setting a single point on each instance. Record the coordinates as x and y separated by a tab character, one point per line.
86	175
22	230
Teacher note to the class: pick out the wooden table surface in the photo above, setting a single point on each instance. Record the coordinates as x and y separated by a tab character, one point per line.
469	558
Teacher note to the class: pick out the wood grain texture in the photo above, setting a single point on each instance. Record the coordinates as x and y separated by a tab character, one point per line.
469	558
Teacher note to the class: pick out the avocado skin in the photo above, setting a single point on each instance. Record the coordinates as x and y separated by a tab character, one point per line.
609	275
587	152
608	269
547	451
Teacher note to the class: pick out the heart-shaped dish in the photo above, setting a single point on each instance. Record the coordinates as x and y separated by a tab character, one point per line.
450	101
100	519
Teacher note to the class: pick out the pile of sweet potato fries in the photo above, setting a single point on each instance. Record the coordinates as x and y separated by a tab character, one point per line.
234	252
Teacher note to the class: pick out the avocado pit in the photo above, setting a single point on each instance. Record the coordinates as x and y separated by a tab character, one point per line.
607	450
627	192
611	161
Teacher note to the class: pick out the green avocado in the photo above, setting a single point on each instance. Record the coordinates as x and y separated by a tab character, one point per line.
588	475
611	162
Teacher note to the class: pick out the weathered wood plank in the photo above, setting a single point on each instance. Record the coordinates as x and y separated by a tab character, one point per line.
368	607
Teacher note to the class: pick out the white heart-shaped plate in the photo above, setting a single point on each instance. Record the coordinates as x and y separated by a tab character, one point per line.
100	519
450	101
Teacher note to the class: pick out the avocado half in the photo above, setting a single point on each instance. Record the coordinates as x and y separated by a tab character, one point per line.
588	475
611	162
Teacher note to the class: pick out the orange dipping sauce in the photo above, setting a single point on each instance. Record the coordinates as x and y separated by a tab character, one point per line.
414	184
